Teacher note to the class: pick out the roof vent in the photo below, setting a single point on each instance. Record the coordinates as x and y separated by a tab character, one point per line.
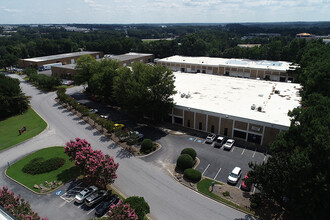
253	107
277	91
259	109
183	95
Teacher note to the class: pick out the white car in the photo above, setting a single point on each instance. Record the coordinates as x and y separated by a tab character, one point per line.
210	138
229	144
219	141
80	197
234	175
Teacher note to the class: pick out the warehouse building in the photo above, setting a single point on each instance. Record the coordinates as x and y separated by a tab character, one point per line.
244	68
129	58
66	58
65	71
249	110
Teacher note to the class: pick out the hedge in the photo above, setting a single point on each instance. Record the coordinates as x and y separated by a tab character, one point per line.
193	175
184	161
189	151
146	146
39	165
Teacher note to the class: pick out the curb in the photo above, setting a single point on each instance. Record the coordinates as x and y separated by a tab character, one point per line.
201	193
29	188
142	156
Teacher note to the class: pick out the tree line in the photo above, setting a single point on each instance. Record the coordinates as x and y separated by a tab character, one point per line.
189	40
140	90
296	177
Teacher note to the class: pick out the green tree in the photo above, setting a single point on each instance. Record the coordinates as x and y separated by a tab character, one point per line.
86	68
139	204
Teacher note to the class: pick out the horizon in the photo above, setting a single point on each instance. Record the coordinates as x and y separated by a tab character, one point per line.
17	12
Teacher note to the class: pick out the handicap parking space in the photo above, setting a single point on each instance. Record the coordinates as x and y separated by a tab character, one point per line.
68	195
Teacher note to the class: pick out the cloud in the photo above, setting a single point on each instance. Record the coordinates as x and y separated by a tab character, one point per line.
10	10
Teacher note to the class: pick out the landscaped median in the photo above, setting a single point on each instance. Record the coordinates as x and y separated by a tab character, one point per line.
10	127
49	180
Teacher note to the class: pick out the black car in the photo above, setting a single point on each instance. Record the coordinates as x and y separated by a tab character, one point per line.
105	205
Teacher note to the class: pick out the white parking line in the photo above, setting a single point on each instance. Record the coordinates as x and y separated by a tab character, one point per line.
204	142
68	200
217	173
213	144
240	185
195	139
265	156
254	152
232	149
243	151
205	169
91	211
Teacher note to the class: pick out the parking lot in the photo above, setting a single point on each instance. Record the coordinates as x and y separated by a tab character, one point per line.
68	193
221	162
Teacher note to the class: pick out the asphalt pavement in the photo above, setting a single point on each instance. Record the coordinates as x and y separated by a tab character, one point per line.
167	198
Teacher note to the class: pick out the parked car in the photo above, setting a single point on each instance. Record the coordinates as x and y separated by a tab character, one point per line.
67	82
210	138
95	198
130	134
81	196
229	144
116	126
234	175
103	115
219	141
104	206
94	110
244	185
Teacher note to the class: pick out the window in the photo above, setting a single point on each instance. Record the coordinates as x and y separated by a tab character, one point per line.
212	129
200	126
282	79
253	138
178	120
225	132
203	71
239	134
188	123
182	69
227	73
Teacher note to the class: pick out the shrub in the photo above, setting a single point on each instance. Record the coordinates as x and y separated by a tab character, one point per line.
93	116
226	193
39	165
255	201
193	175
140	206
189	151
108	125
184	161
146	146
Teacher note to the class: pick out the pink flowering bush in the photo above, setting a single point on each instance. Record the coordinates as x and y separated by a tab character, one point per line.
17	206
122	212
95	166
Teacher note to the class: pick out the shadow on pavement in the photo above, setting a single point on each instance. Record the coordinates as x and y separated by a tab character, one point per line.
121	154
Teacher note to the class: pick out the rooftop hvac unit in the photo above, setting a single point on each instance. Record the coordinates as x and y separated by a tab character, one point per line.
259	109
253	107
183	95
277	91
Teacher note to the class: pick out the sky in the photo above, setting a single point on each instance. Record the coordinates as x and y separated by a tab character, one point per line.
161	11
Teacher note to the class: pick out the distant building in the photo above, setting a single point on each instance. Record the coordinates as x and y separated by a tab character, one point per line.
67	71
66	58
306	36
261	35
243	68
130	58
248	45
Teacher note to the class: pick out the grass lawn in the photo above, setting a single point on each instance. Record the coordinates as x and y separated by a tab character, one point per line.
64	173
203	186
9	127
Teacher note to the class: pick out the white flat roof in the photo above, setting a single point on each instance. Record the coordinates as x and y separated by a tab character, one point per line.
241	63
235	96
59	56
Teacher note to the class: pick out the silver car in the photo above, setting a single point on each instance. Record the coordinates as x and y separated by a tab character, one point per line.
95	198
81	196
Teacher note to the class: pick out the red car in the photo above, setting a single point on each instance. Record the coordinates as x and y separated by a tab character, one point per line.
245	186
